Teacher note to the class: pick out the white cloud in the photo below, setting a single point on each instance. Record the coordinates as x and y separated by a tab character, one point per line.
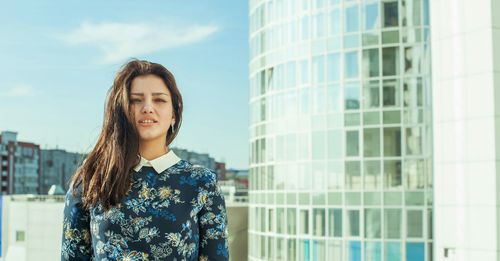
119	41
19	90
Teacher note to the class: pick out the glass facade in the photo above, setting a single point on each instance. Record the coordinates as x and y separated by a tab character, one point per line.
340	137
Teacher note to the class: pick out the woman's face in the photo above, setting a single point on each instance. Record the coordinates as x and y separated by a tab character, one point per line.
151	105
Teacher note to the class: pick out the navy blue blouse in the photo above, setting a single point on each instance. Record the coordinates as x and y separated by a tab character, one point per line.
178	214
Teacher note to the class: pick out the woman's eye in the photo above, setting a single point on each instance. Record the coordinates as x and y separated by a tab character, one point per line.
160	100
135	100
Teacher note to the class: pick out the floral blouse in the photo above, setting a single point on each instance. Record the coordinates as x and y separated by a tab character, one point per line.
177	214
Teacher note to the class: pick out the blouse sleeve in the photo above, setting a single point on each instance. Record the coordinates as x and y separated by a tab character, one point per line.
213	223
76	238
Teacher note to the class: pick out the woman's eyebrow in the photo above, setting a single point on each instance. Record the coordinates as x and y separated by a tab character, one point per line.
154	93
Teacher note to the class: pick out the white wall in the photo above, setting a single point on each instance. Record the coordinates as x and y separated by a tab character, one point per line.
466	110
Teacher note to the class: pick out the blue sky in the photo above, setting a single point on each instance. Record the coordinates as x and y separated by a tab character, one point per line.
58	59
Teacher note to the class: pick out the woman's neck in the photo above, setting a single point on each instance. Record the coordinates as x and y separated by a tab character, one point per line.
152	150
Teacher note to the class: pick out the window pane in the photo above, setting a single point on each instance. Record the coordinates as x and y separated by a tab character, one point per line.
304	253
391	93
305	28
337	222
352	143
390	61
333	67
319	25
291	250
412	92
291	221
280	220
414	141
392	223
319	222
354	251
351	96
413	58
351	64
371	142
372	223
414	173
335	173
411	13
414	223
335	145
351	19
373	251
393	251
318	143
280	248
353	222
335	249
371	15
304	222
334	23
392	173
353	175
372	177
415	251
370	63
390	16
319	250
371	118
392	141
318	69
371	94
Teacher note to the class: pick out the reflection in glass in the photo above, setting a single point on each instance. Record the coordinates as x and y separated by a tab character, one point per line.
392	174
371	15
373	251
319	222
353	223
392	141
371	94
351	64
304	221
370	63
334	22
414	224
371	142
351	96
390	93
393	251
392	223
373	222
335	222
414	173
390	61
353	175
333	67
351	19
352	143
390	13
291	221
414	141
371	175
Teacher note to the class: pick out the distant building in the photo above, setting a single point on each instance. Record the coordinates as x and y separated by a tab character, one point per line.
58	166
20	165
202	159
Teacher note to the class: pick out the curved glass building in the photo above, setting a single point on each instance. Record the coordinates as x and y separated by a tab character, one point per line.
341	144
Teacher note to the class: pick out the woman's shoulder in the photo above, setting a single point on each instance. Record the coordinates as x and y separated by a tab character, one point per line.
199	172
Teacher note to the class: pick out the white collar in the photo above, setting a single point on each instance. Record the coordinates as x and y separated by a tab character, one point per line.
161	163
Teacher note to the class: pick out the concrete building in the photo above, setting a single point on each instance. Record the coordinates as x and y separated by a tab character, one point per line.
466	121
20	165
202	159
340	130
58	166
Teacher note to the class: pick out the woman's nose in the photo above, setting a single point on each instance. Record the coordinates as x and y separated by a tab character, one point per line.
147	108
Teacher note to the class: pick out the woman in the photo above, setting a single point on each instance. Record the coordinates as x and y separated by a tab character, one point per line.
133	198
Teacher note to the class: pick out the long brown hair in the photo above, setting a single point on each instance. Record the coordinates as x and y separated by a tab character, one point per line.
105	175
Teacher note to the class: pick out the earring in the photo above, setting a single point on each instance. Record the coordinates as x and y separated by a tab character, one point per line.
173	122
